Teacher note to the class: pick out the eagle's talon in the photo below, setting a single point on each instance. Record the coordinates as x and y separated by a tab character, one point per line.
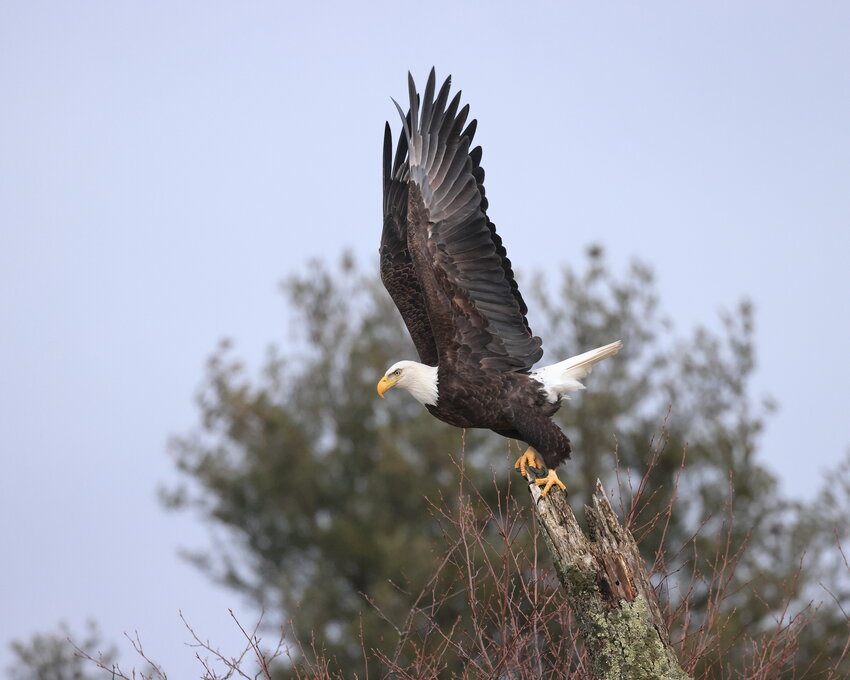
549	481
529	459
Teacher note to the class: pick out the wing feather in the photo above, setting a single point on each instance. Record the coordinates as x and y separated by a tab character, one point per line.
397	271
471	298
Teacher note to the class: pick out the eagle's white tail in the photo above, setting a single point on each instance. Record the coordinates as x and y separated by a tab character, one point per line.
563	377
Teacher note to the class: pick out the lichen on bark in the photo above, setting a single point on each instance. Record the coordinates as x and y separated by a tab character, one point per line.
629	649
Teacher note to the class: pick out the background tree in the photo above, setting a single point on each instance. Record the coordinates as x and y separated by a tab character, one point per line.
329	499
53	655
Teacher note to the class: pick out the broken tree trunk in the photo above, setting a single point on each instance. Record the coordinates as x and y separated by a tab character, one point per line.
608	589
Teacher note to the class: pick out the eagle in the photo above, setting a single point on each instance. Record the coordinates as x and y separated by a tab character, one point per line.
448	273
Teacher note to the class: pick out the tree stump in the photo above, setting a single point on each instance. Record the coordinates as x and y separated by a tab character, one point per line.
608	588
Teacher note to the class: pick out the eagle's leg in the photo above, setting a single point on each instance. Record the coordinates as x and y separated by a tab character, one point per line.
549	481
527	460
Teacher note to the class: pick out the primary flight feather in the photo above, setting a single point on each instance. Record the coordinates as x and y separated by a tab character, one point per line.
449	275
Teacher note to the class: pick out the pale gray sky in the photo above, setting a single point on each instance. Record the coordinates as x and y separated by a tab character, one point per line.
164	164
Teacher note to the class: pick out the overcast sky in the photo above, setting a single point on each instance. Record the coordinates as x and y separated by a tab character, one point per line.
163	165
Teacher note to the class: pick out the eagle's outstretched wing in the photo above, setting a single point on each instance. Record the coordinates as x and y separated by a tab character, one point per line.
469	297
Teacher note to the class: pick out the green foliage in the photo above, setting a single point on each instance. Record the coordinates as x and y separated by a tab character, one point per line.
322	485
723	491
330	498
54	656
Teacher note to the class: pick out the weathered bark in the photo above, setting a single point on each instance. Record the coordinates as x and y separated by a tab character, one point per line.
608	588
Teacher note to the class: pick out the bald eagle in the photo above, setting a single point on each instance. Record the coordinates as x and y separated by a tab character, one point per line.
448	273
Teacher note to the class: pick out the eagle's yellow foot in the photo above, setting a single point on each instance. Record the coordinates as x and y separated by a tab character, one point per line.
549	481
527	460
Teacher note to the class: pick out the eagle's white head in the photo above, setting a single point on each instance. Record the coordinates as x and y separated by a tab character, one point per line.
418	379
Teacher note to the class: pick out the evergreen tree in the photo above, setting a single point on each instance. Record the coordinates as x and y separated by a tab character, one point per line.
327	493
55	656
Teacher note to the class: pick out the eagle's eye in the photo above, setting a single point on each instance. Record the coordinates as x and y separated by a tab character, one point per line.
397	371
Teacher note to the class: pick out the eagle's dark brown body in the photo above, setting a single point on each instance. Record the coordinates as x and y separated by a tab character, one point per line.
448	273
510	404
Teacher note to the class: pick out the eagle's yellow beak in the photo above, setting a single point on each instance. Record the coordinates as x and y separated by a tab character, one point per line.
384	384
